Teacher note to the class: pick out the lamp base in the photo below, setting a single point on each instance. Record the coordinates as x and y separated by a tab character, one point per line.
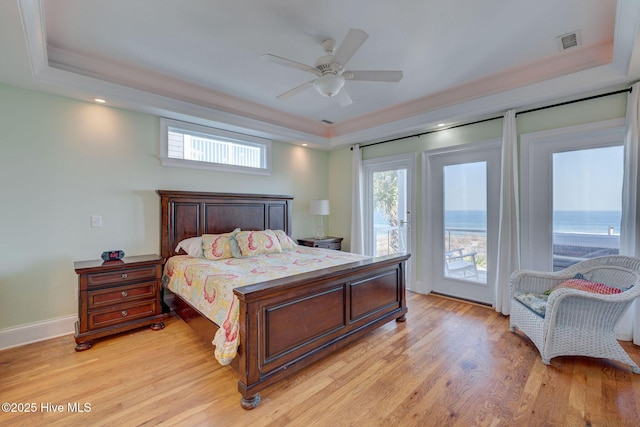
320	232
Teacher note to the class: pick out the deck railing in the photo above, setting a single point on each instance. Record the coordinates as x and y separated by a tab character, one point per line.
568	248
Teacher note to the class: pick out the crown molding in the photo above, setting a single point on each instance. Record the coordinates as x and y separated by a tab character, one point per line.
141	93
570	75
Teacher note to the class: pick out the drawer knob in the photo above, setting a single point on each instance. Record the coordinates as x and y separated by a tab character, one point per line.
124	293
124	275
124	313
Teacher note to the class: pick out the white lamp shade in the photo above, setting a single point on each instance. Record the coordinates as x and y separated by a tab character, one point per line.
320	207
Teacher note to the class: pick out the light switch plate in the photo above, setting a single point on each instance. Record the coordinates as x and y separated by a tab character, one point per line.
96	221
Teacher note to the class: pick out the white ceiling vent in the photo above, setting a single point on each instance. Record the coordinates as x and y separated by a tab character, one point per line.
569	40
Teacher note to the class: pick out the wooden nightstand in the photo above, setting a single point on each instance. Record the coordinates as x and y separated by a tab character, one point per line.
115	296
326	242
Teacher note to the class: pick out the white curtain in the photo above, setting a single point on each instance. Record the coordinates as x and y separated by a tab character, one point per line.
508	255
629	327
357	227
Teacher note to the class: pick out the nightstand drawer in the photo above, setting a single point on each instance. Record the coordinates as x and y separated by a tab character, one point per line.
114	278
336	246
122	294
116	296
122	314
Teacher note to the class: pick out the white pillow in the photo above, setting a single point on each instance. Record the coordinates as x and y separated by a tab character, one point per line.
192	246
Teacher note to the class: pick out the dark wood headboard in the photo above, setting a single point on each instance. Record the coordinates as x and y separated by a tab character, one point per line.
187	214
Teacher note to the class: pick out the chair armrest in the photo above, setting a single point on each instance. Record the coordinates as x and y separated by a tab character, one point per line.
573	306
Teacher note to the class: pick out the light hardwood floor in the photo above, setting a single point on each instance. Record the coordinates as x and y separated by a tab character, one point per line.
450	364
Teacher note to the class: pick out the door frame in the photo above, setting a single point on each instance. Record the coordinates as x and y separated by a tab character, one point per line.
399	161
433	267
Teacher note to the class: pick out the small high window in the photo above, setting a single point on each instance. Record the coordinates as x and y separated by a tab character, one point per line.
196	146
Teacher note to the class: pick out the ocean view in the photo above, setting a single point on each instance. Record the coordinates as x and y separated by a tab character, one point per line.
577	235
589	222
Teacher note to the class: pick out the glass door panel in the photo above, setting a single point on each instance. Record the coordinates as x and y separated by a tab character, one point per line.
389	212
587	204
465	221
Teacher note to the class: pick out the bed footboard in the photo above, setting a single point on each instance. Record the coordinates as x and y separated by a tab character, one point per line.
287	324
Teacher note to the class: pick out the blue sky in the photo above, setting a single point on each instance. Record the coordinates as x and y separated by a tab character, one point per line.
588	180
465	186
583	180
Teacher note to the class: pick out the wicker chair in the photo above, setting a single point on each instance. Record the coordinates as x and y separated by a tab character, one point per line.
575	322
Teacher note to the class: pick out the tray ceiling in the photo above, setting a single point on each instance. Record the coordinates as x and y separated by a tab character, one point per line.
201	60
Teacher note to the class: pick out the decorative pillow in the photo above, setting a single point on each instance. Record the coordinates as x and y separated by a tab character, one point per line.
251	243
286	242
217	246
192	246
582	284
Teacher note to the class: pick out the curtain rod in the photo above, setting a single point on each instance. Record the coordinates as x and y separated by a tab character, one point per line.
560	104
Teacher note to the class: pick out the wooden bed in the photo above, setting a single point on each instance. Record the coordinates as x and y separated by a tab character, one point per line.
329	308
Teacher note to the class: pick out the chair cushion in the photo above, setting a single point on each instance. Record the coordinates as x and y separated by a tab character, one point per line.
537	303
587	286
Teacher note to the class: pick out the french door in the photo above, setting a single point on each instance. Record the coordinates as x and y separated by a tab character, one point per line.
572	194
461	217
388	205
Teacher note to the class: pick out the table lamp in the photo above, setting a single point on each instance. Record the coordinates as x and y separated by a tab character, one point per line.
320	208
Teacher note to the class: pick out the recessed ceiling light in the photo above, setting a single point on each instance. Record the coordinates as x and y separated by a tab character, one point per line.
440	125
100	100
304	144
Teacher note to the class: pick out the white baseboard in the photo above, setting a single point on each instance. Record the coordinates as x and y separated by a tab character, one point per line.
419	288
38	331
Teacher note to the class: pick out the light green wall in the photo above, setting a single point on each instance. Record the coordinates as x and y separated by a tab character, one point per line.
600	109
595	110
340	195
62	161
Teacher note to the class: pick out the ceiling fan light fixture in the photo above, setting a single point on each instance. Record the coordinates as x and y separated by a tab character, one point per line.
329	84
329	69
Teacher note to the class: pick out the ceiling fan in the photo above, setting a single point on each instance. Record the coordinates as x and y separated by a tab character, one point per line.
329	69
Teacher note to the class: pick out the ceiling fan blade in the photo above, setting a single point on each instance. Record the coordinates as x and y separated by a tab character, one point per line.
343	98
373	75
289	63
296	90
349	46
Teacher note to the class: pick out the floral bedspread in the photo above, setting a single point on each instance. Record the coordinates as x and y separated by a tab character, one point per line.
208	285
